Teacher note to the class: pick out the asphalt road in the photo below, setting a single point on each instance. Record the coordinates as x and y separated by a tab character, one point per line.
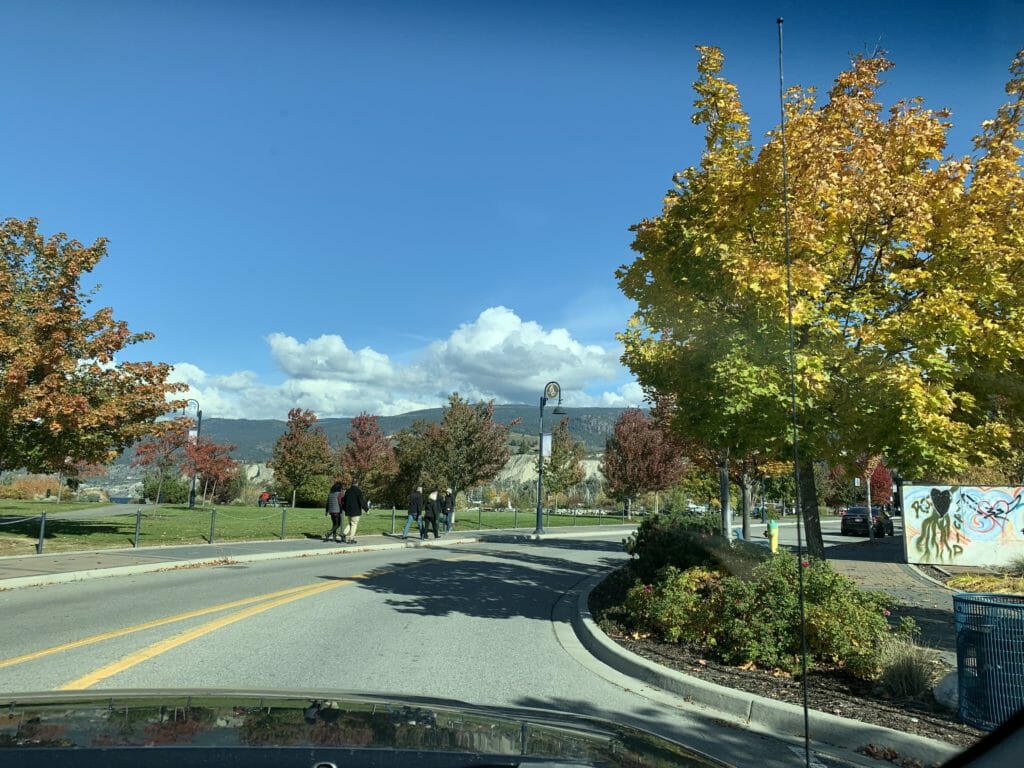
482	623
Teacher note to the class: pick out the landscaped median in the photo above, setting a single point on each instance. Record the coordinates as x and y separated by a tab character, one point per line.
728	616
70	527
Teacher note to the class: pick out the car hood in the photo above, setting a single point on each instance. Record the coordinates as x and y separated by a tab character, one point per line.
311	728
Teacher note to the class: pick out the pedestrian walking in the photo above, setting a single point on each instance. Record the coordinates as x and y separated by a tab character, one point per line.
415	510
431	515
354	505
448	506
333	509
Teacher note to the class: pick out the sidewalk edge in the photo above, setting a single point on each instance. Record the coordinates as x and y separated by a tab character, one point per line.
754	710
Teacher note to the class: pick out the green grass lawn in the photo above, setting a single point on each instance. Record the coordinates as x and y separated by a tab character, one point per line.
171	524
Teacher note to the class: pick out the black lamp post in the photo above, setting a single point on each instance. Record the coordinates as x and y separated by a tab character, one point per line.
551	391
199	429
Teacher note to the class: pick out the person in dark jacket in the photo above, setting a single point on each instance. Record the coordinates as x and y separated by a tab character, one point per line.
432	514
448	506
335	499
415	510
354	506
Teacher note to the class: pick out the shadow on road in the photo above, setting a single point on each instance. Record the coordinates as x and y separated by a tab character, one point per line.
884	550
498	585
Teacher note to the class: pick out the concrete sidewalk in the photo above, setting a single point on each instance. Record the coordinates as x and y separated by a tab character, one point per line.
36	570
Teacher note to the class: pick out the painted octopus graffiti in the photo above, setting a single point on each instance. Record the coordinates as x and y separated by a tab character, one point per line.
964	525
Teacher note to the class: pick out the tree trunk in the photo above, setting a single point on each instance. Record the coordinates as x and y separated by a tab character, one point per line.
746	487
213	493
809	509
723	480
159	487
629	508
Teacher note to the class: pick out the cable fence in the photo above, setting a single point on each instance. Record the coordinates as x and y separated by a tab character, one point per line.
68	531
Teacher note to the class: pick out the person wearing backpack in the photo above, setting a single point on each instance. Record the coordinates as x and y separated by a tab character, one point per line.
333	508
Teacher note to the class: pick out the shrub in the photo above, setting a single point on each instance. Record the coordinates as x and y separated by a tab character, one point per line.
679	607
756	618
686	541
908	670
173	490
12	492
1015	568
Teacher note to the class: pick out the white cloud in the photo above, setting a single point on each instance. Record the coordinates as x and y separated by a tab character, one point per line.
496	356
327	357
501	356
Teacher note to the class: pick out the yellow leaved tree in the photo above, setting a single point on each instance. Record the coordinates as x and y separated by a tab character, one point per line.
908	317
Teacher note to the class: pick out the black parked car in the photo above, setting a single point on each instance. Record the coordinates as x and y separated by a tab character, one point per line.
855	522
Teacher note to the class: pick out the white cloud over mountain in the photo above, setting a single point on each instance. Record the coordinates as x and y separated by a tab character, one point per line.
497	356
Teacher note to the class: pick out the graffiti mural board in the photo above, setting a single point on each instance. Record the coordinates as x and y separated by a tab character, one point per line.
962	525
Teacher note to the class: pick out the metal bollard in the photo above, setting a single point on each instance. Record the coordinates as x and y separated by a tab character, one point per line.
213	523
42	533
284	518
138	526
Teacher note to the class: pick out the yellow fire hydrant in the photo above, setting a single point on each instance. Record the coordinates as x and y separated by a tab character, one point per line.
772	534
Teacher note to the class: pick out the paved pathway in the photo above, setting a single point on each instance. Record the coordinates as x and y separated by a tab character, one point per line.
878	565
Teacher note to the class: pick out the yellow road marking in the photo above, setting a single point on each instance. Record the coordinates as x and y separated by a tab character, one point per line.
294	592
147	625
170	643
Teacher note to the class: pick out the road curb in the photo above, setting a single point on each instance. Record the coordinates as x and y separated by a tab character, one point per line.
45	579
757	711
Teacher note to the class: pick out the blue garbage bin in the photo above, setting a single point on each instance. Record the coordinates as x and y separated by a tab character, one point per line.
989	657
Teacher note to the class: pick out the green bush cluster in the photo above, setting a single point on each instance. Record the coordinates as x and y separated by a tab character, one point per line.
687	541
737	606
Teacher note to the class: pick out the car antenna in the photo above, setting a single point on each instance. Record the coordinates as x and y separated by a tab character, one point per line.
792	398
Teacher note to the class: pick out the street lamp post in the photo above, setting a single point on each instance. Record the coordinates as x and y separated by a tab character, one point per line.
199	429
551	390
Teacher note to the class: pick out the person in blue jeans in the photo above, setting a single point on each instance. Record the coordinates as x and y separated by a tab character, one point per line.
415	510
448	507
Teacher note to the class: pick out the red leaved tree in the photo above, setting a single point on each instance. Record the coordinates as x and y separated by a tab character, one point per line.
368	457
162	451
640	457
211	462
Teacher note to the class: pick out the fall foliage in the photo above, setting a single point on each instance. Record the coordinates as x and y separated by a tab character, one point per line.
639	457
368	457
908	318
302	460
64	395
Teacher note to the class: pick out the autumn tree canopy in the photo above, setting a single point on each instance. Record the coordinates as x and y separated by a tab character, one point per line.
302	460
467	448
368	456
162	450
640	456
65	397
908	318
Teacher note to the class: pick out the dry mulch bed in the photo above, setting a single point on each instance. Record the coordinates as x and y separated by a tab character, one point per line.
828	690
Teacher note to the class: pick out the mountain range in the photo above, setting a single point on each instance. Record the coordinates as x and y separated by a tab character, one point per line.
254	438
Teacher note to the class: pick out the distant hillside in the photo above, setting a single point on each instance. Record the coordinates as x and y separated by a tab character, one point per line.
254	439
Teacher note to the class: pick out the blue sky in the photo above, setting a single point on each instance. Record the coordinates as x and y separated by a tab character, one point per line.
352	206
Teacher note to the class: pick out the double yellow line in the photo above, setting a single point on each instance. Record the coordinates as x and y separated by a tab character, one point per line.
254	605
257	605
